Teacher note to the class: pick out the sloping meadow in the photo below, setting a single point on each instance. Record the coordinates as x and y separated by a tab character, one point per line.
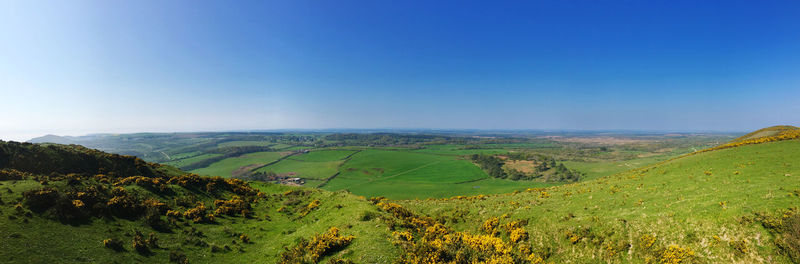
731	205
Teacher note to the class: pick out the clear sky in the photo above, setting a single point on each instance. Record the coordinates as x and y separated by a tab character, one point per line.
77	67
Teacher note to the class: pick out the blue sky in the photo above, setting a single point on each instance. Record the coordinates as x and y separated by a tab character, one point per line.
77	67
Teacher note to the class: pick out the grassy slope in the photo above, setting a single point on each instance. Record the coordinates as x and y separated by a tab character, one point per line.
686	202
599	169
765	132
42	240
30	237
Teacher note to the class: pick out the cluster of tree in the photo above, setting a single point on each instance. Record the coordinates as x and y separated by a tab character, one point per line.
491	164
558	173
547	168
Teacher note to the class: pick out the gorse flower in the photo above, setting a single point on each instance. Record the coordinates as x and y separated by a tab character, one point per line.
316	247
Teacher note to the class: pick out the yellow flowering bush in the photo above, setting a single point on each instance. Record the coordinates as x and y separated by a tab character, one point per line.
518	234
740	246
490	226
436	243
315	248
232	207
646	241
311	206
403	236
675	254
198	214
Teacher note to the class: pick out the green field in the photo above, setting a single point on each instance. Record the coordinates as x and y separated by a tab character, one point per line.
323	155
187	161
410	174
314	166
225	167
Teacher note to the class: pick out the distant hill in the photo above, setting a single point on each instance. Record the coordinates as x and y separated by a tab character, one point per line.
52	139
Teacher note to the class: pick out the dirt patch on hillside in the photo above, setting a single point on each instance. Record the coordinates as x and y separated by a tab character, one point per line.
525	166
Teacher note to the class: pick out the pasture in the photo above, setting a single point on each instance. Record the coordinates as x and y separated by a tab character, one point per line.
400	174
226	167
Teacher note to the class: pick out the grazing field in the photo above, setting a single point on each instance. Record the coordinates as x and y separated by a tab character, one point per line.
226	167
304	169
408	174
323	155
314	166
187	161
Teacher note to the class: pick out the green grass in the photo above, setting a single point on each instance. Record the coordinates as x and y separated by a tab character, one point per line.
410	174
36	239
304	169
603	168
187	161
226	166
314	166
323	155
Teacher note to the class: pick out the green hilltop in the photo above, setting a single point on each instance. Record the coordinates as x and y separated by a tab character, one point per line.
735	203
766	132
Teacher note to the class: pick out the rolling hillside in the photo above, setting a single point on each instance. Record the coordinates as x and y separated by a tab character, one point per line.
767	132
736	203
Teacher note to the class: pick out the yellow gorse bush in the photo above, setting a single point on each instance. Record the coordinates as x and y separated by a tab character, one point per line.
783	135
490	226
647	241
234	206
436	243
675	254
319	245
311	206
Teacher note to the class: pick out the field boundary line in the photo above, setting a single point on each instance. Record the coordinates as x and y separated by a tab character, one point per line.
475	180
274	161
338	169
395	175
